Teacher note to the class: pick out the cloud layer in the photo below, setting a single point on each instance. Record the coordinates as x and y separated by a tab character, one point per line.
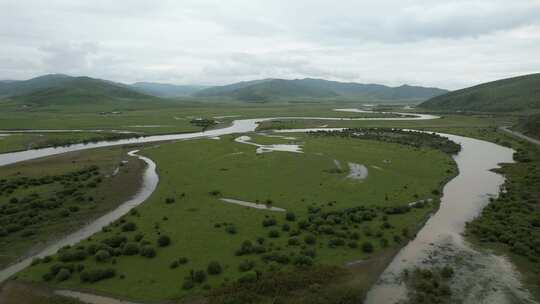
449	44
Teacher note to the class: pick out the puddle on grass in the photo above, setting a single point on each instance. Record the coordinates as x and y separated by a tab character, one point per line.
357	171
269	148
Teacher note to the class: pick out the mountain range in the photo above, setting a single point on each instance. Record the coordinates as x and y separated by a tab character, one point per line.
58	88
272	89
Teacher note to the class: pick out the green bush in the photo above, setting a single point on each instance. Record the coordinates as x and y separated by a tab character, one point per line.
130	249
214	268
249	277
148	251
102	256
164	241
289	216
310	239
273	234
95	275
367	247
129	226
246	265
63	274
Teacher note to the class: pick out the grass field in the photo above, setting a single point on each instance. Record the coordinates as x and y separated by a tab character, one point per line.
156	118
186	208
46	198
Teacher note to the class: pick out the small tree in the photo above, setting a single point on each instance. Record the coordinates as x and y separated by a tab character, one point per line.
291	217
102	256
310	239
367	247
214	268
199	276
164	241
148	251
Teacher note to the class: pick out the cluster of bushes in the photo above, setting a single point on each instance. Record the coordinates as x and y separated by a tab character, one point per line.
429	285
22	215
62	271
403	137
124	243
279	286
513	219
199	276
204	123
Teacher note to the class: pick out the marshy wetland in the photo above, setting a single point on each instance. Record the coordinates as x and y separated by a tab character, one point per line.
200	247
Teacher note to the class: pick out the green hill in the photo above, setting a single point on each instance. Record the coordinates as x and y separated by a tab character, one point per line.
272	89
511	94
165	89
62	89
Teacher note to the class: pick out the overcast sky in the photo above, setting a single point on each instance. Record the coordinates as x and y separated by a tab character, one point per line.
448	44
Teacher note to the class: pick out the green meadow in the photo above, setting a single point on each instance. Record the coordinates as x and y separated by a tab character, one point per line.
184	229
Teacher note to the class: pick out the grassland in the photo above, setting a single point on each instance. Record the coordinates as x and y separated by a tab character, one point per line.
46	198
186	209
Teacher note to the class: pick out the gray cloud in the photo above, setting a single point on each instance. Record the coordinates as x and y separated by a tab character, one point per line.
449	44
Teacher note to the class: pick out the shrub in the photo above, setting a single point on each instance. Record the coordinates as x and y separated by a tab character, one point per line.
447	272
69	255
102	256
273	234
138	237
291	217
335	243
115	241
174	264
310	239
188	284
169	200
182	260
63	274
130	249
148	251
231	229
285	227
214	268
164	241
199	276
303	260
269	222
246	265
293	241
129	226
367	247
95	275
248	277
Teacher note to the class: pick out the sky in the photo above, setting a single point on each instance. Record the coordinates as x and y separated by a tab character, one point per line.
447	44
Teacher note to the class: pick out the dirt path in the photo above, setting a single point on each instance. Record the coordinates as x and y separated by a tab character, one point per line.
520	135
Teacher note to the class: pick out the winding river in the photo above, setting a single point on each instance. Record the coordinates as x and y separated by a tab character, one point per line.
438	242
